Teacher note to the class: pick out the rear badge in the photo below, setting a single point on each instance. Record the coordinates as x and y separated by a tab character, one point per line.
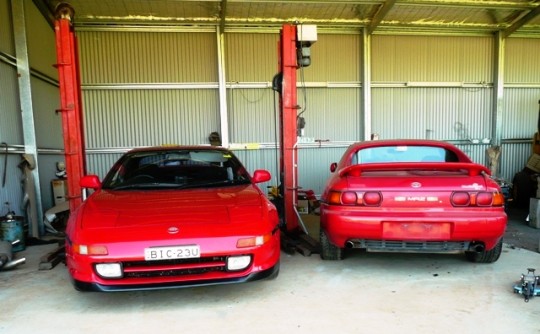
173	230
416	184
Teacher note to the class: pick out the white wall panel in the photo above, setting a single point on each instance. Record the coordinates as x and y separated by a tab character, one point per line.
147	57
129	118
335	58
432	113
45	102
251	57
7	44
513	159
521	61
41	41
100	164
431	58
520	112
11	124
12	192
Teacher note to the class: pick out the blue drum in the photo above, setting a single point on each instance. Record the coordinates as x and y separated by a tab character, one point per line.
11	229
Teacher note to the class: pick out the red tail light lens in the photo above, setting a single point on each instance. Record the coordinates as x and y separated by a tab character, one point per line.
484	199
372	198
348	198
460	198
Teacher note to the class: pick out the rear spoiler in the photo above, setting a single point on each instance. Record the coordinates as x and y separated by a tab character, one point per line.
473	169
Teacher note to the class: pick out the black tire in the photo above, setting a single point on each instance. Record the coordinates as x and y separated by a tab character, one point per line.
329	251
489	256
275	274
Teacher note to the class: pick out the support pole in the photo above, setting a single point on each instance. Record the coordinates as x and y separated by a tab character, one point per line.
70	103
35	214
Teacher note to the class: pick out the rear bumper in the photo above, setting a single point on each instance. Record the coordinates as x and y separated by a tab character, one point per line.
361	227
86	286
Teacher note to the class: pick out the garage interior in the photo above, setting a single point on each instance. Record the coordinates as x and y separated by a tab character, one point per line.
174	72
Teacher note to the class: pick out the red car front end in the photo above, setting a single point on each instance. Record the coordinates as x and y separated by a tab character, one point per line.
151	238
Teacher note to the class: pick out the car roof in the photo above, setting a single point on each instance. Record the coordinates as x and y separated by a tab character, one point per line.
404	142
177	147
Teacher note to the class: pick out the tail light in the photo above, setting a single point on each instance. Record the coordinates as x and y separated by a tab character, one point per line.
481	199
368	198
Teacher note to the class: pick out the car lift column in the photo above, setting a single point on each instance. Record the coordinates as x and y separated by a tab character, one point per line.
288	126
70	102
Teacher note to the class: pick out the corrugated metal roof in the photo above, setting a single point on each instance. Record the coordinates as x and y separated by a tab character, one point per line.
449	16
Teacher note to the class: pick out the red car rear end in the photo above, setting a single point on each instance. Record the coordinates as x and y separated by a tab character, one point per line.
412	196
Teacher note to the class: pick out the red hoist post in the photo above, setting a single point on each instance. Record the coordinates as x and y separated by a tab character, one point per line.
70	103
290	49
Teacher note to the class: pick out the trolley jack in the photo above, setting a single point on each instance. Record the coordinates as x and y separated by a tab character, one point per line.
529	285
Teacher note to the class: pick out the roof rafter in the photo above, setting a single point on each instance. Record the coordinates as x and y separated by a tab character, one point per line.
381	13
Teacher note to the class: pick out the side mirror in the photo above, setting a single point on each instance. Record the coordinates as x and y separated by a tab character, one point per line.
261	175
333	167
90	181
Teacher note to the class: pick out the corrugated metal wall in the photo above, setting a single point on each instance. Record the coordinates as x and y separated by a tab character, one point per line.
6	31
42	56
328	93
521	98
147	88
437	87
434	88
431	58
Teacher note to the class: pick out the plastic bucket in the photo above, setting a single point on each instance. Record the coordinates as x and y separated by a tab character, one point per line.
11	229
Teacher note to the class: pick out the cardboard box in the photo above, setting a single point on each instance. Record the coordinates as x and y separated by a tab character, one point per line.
534	162
303	206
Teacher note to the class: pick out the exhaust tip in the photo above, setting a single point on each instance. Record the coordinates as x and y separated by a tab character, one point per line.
349	244
477	247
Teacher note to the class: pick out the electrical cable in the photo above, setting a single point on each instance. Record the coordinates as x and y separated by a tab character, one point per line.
5	165
276	115
302	82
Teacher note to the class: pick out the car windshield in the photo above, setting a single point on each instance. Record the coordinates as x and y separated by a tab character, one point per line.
176	169
404	154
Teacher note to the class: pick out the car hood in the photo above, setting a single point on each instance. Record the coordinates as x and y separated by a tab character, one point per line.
135	209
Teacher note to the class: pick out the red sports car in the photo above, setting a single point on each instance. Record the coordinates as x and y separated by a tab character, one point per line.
173	217
411	196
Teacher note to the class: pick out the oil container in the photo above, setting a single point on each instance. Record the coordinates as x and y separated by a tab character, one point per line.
11	229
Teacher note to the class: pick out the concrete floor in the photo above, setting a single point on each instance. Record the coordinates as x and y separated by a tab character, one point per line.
365	293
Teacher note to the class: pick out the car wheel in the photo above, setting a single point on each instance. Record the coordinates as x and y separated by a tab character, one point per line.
275	273
329	251
489	256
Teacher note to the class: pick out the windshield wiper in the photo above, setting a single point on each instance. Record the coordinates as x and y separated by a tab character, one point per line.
152	185
204	184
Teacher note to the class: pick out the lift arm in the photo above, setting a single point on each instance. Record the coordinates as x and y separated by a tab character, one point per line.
70	102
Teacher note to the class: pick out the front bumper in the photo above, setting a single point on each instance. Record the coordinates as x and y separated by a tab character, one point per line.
265	274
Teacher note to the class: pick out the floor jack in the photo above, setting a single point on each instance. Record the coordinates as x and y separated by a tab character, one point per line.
529	286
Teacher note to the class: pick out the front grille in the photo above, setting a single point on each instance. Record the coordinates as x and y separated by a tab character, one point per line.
412	246
174	268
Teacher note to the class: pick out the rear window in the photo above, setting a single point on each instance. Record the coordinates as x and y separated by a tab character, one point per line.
404	154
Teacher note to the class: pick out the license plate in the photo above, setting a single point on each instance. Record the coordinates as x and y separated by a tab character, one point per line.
172	252
416	230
